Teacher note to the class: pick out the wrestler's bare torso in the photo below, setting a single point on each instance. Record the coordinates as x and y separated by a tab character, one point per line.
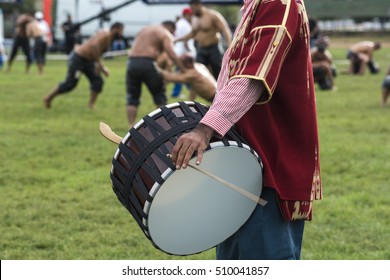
33	29
95	46
365	47
201	81
150	42
21	24
208	26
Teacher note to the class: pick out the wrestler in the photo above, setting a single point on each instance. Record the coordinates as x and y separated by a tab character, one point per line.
198	78
86	59
207	27
21	41
322	63
149	44
361	55
35	32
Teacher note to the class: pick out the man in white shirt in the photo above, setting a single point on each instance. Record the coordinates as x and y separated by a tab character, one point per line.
45	28
183	28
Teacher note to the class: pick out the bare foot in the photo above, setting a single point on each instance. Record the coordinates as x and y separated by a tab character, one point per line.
47	102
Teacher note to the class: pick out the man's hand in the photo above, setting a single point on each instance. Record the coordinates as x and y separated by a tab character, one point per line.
105	71
195	141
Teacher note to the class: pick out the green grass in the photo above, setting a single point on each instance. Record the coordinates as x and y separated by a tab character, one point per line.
56	199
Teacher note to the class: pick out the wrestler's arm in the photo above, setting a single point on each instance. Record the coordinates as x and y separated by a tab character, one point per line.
101	67
174	77
168	48
101	40
190	35
223	27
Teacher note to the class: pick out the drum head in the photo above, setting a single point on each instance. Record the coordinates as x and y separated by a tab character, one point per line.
192	212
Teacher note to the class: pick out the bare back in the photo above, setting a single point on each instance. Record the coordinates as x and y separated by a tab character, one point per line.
152	41
33	29
21	24
317	56
203	83
149	42
365	47
95	46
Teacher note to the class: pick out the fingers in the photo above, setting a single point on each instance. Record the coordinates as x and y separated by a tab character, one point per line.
190	143
199	156
181	154
185	149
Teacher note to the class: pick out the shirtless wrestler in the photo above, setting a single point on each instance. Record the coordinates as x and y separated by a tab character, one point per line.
21	41
149	44
35	32
324	70
86	59
361	55
199	79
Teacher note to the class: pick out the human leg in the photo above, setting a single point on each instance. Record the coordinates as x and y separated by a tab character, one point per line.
215	58
70	82
131	111
25	44
49	98
176	90
155	83
13	53
39	52
373	67
266	235
96	83
385	90
133	89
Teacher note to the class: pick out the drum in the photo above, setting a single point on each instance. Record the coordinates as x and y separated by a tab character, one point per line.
184	212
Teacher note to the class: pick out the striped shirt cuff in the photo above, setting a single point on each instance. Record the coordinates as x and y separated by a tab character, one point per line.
231	103
217	122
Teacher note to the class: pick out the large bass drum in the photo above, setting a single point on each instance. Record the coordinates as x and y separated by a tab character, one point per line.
184	212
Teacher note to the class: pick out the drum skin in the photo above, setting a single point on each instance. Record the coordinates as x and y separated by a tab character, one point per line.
184	212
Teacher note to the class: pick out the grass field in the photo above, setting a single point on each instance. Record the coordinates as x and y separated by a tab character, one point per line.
56	200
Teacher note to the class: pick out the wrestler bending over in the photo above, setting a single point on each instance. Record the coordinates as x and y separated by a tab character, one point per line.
197	77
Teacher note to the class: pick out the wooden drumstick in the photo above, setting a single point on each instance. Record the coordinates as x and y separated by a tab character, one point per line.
249	195
106	131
